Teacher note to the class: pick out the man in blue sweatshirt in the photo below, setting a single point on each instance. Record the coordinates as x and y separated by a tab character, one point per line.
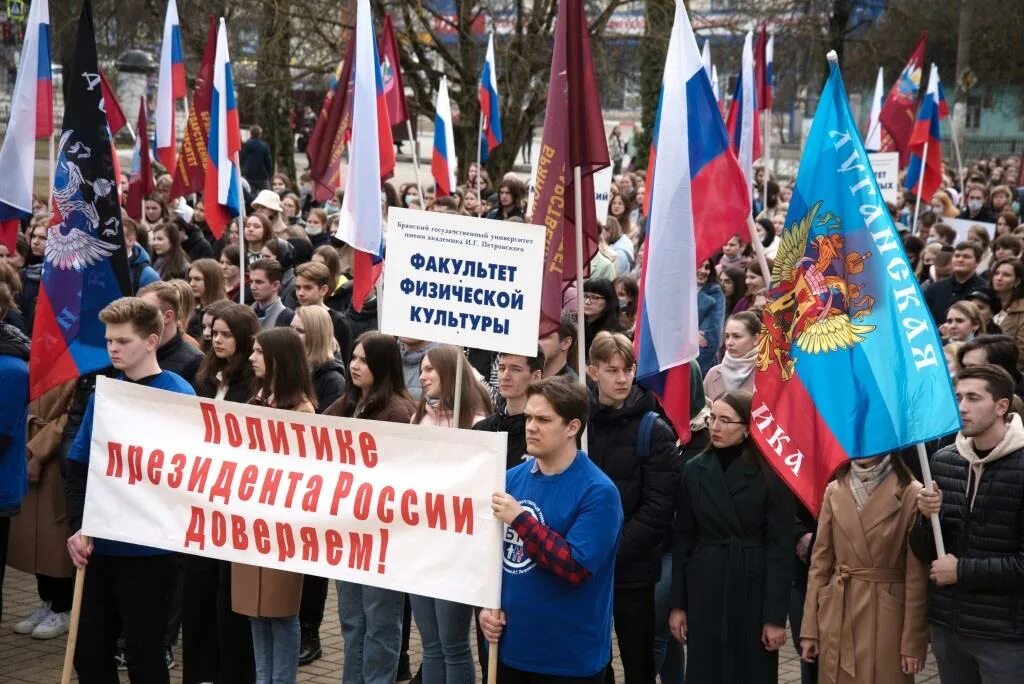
563	518
127	587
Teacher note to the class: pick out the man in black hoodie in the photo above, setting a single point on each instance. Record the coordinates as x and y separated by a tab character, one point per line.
515	373
637	449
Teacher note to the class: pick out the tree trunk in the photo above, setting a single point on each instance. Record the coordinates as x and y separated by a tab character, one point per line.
272	101
653	48
837	25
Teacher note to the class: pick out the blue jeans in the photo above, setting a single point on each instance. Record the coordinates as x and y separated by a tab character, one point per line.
669	657
371	625
275	646
444	631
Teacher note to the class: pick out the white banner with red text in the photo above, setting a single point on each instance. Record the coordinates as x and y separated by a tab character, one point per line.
401	507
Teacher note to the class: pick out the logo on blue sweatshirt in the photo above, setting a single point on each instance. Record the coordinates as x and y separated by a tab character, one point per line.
515	558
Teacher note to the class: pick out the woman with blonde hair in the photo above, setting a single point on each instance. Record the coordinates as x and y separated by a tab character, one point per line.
963	322
942	205
206	280
314	326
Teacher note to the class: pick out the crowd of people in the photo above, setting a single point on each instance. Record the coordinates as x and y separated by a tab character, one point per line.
693	554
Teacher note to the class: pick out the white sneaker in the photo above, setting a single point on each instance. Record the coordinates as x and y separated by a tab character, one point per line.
32	621
54	625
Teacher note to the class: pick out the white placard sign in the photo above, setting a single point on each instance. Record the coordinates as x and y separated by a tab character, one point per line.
961	226
886	166
402	507
602	193
461	280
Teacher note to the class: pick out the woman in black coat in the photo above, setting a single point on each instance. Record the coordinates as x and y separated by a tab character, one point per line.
216	643
732	559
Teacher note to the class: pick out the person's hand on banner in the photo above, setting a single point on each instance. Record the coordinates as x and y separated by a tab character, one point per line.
505	507
929	501
79	553
492	624
943	571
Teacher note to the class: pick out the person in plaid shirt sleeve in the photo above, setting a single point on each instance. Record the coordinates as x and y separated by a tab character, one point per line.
563	519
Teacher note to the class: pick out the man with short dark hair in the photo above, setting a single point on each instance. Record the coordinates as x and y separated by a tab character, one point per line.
562	517
557	348
515	373
128	587
976	599
265	284
312	283
944	293
174	353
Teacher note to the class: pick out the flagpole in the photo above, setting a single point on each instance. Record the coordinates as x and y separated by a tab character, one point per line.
52	166
959	161
766	117
479	157
926	474
241	233
76	613
920	186
580	337
415	158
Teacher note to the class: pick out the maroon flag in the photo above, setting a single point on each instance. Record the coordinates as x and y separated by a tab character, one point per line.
140	177
115	115
573	136
898	111
190	167
391	74
330	134
762	77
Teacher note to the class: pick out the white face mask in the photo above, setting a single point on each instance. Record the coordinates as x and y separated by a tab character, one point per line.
974	205
313	230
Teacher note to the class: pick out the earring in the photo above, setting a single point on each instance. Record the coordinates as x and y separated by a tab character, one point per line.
746	434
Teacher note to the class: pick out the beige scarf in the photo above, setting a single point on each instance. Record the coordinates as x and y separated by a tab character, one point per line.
864	479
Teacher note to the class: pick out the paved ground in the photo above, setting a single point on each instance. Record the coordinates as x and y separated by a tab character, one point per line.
24	660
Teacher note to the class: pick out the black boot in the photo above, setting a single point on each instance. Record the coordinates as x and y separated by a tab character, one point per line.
309	647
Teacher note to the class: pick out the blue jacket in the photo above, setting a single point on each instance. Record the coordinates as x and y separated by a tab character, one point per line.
142	273
13	412
710	321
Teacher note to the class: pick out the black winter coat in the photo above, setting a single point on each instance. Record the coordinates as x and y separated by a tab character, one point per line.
647	487
987	600
732	566
180	357
328	383
945	292
515	426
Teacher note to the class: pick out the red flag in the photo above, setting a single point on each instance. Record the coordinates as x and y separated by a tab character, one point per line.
115	116
330	134
190	167
391	73
898	111
573	136
140	178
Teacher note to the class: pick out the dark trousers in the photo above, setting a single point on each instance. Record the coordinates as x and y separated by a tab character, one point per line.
133	593
234	635
808	671
199	645
59	591
5	535
174	621
633	612
510	675
970	660
314	596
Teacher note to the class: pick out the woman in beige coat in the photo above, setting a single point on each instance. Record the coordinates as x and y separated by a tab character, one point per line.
864	615
271	597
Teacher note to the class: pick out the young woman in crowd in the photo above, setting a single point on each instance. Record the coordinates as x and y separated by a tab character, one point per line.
281	184
371	618
766	232
734	255
710	315
1006	223
209	314
733	556
154	212
316	228
186	307
511	195
736	371
600	308
1007	281
444	625
232	272
622	245
169	259
270	598
257	233
734	287
216	641
291	208
756	285
963	322
620	208
206	278
864	613
628	293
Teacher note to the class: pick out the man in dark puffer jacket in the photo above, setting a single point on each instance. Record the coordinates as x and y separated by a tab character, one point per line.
976	607
647	480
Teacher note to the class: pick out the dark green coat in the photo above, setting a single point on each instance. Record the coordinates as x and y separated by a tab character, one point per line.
732	566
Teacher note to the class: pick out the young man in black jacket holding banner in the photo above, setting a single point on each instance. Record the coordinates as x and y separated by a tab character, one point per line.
977	599
637	450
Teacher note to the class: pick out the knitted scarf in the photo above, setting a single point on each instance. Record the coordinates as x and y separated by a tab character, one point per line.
737	369
864	479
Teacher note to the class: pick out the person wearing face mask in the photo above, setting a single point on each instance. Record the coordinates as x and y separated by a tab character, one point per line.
736	371
628	292
977	207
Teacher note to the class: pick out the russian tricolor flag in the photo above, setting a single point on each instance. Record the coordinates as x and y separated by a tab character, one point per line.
443	162
690	160
31	119
744	132
925	146
171	88
490	114
222	193
371	156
